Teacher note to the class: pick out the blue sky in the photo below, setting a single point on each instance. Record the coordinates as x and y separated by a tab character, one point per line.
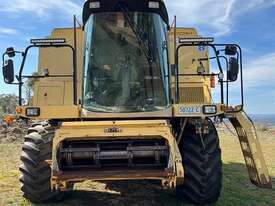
250	23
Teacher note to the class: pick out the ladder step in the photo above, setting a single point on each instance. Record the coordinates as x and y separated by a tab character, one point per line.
243	138
248	154
252	170
251	149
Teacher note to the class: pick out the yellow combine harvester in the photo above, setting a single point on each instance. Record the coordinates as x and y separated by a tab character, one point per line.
129	97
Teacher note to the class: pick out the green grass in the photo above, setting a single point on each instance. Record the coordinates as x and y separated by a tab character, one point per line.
237	189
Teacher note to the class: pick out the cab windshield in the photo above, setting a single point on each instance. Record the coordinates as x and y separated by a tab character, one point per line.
126	66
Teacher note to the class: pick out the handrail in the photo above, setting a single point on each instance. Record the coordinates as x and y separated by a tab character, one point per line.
21	76
217	57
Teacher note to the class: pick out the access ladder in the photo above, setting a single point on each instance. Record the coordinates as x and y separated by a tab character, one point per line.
251	149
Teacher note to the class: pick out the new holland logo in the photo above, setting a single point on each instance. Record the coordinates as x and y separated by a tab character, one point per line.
113	130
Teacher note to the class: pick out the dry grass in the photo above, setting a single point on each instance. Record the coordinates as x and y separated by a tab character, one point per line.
237	189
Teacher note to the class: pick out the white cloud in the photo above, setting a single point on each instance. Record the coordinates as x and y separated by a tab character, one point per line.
260	71
210	13
42	8
215	16
8	31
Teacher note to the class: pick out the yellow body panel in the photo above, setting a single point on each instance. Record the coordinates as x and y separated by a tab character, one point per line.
193	89
57	91
55	112
50	95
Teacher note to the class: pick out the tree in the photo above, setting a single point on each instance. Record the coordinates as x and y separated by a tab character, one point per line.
1	113
8	103
29	86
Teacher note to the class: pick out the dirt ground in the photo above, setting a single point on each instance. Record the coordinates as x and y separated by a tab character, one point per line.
237	190
13	133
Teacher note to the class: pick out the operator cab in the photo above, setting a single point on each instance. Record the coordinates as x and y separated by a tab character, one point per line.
126	58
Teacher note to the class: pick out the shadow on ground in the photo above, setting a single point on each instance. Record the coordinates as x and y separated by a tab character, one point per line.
237	190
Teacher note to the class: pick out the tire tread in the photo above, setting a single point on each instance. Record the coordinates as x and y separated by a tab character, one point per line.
35	173
203	169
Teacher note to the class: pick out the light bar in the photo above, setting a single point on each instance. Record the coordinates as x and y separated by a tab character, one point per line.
196	40
48	41
153	5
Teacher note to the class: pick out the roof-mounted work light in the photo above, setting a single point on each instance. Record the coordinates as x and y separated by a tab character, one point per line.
154	5
95	5
42	42
202	40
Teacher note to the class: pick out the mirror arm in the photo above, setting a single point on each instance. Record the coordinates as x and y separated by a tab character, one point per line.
18	52
240	59
17	77
13	83
20	83
221	71
218	59
3	59
226	60
227	81
238	56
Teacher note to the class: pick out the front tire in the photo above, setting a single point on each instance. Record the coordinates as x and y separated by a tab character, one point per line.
35	172
202	168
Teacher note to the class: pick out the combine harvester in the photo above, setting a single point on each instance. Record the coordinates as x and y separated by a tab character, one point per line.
128	97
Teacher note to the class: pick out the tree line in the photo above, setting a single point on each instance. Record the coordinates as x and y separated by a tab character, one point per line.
8	103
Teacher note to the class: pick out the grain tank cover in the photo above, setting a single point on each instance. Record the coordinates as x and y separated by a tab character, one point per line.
97	6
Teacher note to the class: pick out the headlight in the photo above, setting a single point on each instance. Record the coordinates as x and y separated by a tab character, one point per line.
33	112
209	109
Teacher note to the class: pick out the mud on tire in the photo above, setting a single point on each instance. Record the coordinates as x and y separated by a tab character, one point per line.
203	168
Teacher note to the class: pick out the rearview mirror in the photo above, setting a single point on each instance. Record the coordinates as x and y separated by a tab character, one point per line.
230	50
10	52
233	69
8	72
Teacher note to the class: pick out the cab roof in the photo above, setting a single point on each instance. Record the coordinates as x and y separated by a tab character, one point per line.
132	6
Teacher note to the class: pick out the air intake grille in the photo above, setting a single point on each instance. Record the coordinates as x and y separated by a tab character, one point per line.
191	95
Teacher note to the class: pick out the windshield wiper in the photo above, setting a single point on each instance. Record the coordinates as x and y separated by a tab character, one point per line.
147	51
136	31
